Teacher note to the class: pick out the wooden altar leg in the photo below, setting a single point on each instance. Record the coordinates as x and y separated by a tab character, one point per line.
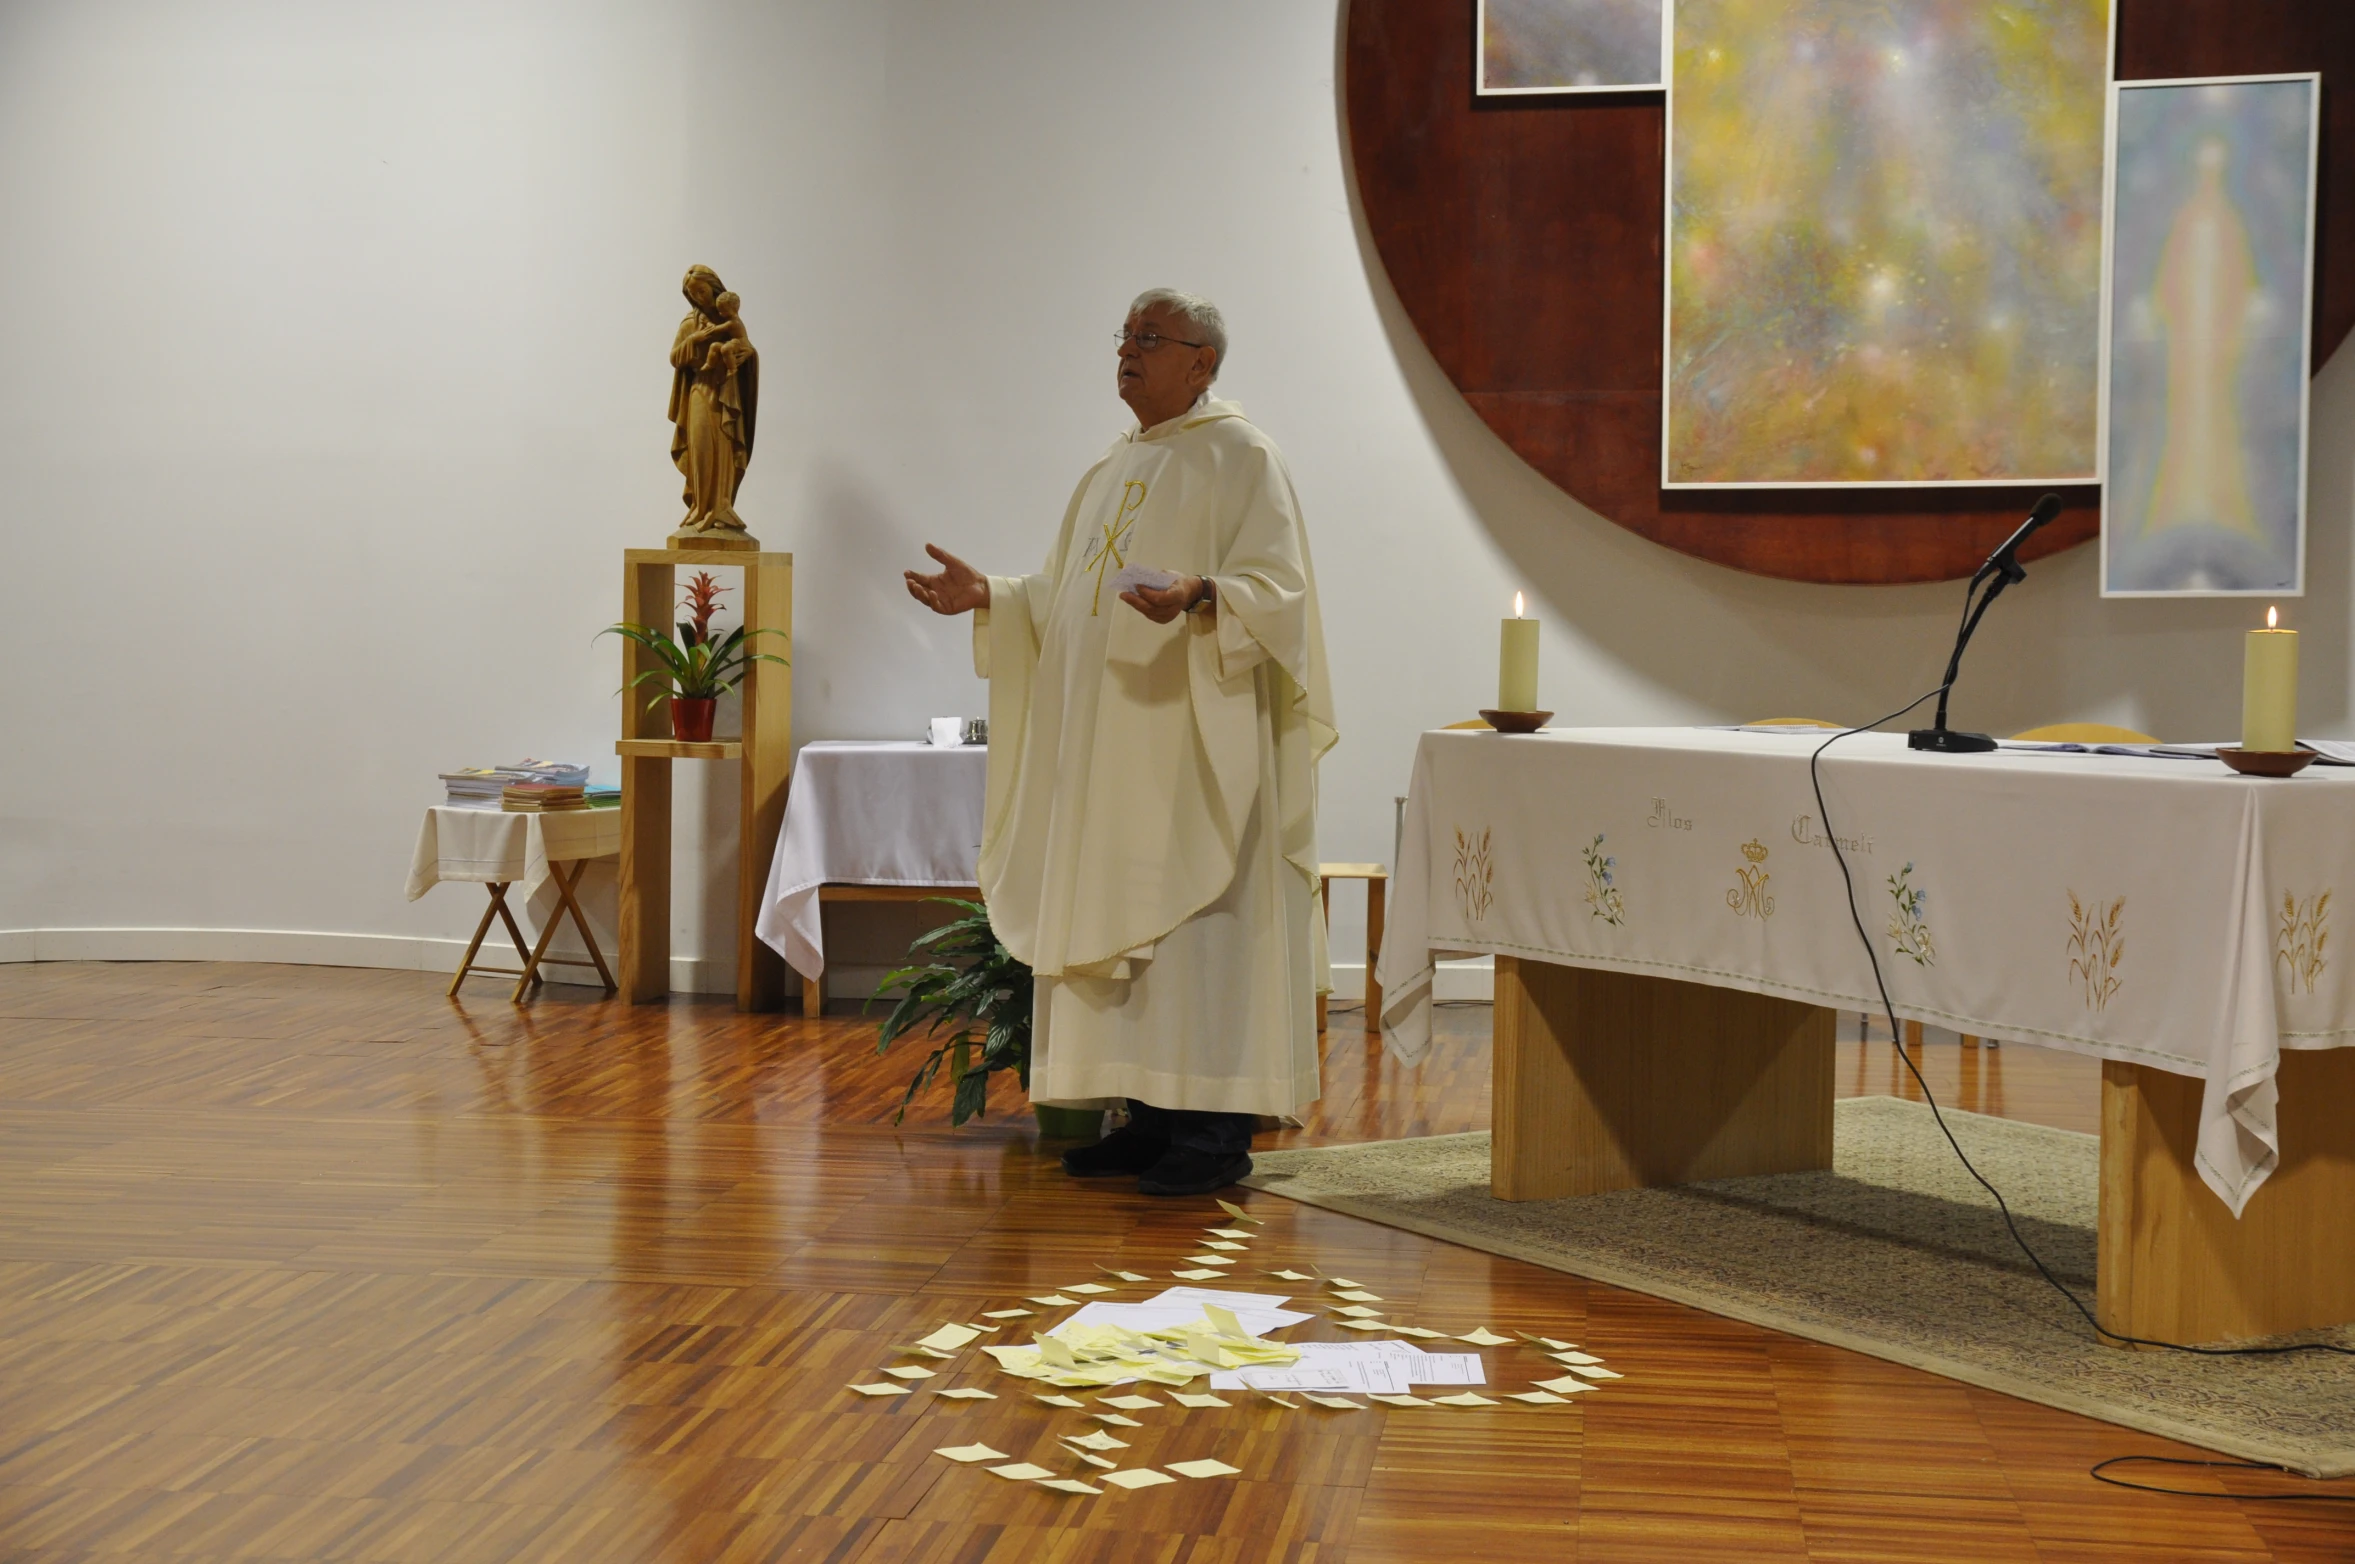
2174	1265
1606	1080
645	879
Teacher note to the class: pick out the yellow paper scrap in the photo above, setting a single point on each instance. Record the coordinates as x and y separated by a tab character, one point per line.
1199	1274
1223	1246
1465	1398
1056	1300
1292	1276
1362	1324
1239	1214
1095	1460
1424	1332
1567	1385
1086	1287
1095	1439
1128	1403
1126	1276
1572	1358
1067	1485
1021	1472
1055	1352
1359	1296
1400	1401
908	1371
1059	1401
1209	1259
948	1338
1341	1282
1222	1319
1290	1406
1339	1403
1117	1420
914	1351
1358	1311
1484	1337
1548	1342
1198	1401
1593	1371
967	1395
1228	1232
970	1453
1205	1468
1537	1398
1007	1314
1138	1477
882	1390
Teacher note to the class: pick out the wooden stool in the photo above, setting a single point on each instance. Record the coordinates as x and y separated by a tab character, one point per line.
813	989
527	976
1377	878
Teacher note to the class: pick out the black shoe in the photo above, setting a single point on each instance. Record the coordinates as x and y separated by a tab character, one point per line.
1122	1151
1185	1172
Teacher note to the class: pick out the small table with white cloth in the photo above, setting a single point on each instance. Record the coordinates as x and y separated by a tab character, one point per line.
1672	937
497	848
869	821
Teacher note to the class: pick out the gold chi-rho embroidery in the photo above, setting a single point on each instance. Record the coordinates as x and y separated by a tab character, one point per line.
1108	550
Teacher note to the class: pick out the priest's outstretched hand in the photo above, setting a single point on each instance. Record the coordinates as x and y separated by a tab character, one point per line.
956	588
1162	604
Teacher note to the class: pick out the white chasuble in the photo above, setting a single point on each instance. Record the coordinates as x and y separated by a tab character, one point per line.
1149	846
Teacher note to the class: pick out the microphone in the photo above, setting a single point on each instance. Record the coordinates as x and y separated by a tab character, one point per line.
2003	569
2005	557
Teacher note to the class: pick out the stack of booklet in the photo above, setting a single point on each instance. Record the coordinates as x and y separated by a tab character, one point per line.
541	798
485	787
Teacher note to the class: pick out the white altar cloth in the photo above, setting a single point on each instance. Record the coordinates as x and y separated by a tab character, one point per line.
869	814
483	846
2163	911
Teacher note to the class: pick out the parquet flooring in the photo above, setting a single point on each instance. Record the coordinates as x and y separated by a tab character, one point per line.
305	1264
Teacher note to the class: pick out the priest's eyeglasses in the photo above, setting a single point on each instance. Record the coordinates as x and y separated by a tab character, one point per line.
1149	339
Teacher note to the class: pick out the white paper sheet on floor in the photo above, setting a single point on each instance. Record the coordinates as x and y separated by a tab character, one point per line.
862	813
2164	911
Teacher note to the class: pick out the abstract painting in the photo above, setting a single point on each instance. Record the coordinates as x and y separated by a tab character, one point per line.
1568	45
1884	242
2209	313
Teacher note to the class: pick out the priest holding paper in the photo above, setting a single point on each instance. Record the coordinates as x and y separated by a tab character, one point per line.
1158	704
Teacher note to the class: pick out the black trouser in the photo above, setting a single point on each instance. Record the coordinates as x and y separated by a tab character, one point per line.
1213	1134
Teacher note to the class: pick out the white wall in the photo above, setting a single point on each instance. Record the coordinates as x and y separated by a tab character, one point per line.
331	381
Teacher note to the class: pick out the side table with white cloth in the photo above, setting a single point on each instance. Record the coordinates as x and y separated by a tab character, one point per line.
869	821
1672	937
496	849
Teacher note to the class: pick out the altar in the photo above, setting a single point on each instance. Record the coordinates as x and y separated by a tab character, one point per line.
1673	938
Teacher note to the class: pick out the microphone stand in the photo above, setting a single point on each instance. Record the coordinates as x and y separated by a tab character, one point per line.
2005	570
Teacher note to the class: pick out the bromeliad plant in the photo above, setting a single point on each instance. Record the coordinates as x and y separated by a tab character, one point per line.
694	666
973	988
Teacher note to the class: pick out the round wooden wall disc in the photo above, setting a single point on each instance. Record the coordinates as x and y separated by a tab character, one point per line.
1523	235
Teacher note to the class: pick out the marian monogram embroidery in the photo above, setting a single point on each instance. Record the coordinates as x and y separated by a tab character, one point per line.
2300	931
2097	943
1109	549
1748	898
1475	872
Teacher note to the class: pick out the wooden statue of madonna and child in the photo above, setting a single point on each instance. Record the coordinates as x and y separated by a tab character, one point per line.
715	392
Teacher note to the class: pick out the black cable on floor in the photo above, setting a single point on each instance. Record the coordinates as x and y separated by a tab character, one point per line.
2100	1468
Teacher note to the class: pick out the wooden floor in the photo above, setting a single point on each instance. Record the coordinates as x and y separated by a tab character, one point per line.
309	1264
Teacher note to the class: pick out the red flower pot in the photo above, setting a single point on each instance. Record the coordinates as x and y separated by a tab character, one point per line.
691	719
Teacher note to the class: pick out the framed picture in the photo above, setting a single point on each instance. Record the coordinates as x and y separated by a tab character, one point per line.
1532	46
1884	243
2208	327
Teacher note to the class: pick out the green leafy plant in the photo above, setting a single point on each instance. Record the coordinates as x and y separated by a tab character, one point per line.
693	665
973	989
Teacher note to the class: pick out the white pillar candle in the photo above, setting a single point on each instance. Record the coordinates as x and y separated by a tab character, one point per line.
2269	688
1516	679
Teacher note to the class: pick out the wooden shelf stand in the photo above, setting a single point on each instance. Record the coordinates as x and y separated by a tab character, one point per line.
764	755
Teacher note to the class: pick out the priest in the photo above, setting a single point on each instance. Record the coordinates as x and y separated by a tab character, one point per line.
1158	703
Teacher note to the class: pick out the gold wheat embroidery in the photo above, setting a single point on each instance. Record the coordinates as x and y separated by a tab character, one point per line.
2097	944
1474	875
2299	937
1748	898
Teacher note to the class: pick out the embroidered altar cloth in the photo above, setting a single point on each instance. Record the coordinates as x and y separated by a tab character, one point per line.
2163	911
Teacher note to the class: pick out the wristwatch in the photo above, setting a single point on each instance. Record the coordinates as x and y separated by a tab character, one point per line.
1206	599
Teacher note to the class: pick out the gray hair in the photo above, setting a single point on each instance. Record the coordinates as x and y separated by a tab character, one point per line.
1199	314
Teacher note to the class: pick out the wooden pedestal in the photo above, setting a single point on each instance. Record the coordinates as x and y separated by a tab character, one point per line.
1605	1080
650	597
2174	1265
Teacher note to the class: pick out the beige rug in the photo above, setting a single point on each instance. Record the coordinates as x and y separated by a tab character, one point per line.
1894	1252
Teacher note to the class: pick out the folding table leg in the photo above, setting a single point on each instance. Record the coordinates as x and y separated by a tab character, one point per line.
569	904
496	909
